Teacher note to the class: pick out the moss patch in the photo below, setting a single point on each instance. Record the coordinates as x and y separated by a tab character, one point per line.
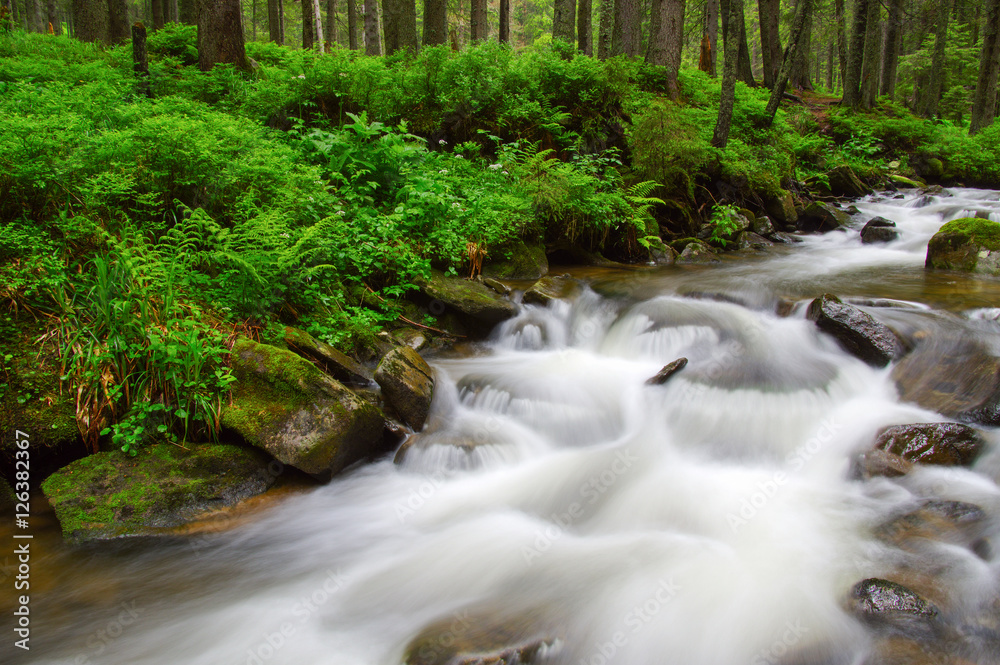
983	232
111	494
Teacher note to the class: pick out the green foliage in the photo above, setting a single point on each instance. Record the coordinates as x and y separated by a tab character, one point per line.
724	223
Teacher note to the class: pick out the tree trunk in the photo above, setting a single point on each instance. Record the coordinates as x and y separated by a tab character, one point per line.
140	59
584	27
873	46
799	76
34	19
317	17
187	12
841	42
479	21
803	15
435	22
90	20
744	69
936	87
331	32
731	18
626	38
606	29
829	67
770	39
157	9
890	50
399	25
712	30
52	13
503	22
308	39
220	34
373	45
985	101
666	40
563	18
705	56
118	25
856	55
352	24
274	21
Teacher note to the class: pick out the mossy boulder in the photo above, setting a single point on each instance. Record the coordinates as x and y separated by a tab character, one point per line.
781	207
857	332
111	495
32	401
407	383
547	289
968	244
879	229
284	405
475	307
822	217
697	251
845	182
338	365
516	260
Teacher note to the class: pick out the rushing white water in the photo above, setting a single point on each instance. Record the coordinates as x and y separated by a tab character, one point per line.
555	495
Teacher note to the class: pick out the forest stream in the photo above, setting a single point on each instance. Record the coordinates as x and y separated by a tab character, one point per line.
558	504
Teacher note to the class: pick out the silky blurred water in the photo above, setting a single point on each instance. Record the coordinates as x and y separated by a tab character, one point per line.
555	495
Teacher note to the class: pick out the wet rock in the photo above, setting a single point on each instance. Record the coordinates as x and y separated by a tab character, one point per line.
879	229
856	331
942	444
845	182
550	288
467	639
786	238
497	286
782	208
475	305
763	226
878	462
338	365
303	417
890	606
903	181
822	217
111	495
517	260
407	383
969	244
668	371
949	521
411	337
749	240
697	251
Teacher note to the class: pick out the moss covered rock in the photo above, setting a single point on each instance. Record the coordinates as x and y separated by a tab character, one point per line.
338	365
553	287
822	217
782	208
968	244
110	494
286	406
476	307
31	401
407	383
517	260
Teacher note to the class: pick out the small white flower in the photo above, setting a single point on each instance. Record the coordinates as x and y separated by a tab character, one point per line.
495	167
443	171
311	198
301	76
459	157
505	173
284	235
341	213
442	142
343	74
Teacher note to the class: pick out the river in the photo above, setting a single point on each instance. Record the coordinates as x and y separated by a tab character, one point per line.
554	496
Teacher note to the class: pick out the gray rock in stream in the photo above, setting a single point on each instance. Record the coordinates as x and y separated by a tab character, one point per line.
407	383
890	606
856	331
668	371
823	217
879	229
941	444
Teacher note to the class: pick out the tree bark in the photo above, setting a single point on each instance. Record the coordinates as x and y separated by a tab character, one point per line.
856	56
712	30
606	29
373	44
90	20
666	40
140	59
890	50
52	13
744	70
118	25
187	12
317	17
769	12
841	41
873	46
584	27
352	24
157	8
399	25
435	22
984	102
626	37
34	19
802	15
479	21
936	87
220	34
503	22
799	75
731	19
563	18
331	33
308	25
274	21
